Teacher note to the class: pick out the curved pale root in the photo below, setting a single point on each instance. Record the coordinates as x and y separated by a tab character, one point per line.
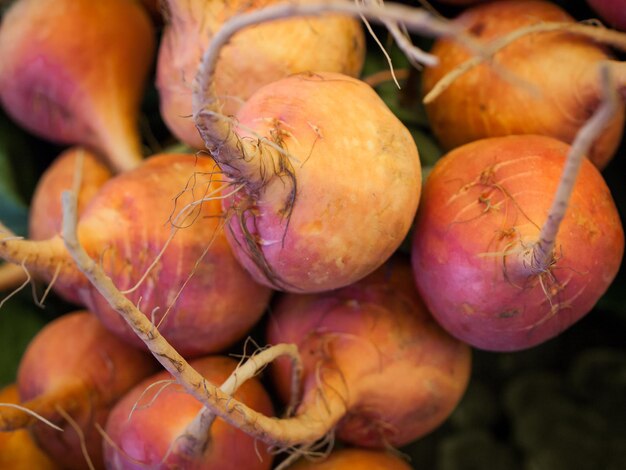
224	144
598	34
305	428
543	251
196	434
12	276
46	258
42	407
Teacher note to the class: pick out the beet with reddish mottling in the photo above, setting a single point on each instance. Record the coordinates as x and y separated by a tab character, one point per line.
145	426
483	208
329	193
373	357
196	292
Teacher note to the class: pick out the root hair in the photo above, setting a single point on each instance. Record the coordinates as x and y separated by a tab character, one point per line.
81	436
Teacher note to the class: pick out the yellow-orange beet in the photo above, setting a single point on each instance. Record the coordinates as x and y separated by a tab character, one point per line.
342	197
46	214
556	86
18	450
74	365
254	57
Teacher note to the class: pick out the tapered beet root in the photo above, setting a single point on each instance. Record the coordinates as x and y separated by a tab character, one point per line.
255	57
474	254
197	293
551	85
73	71
74	367
145	426
373	357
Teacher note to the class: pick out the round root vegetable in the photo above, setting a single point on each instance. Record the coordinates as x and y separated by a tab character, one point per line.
158	238
481	256
76	165
354	459
329	177
545	83
452	361
71	374
18	450
145	428
255	57
73	71
373	357
342	200
611	11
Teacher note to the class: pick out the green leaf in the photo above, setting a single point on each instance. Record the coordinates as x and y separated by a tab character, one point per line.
13	208
18	174
19	322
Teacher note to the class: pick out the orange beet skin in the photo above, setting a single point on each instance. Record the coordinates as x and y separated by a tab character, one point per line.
73	72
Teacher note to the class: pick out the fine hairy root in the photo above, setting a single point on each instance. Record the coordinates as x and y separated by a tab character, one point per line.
81	436
196	435
543	251
21	410
219	138
15	277
11	276
303	428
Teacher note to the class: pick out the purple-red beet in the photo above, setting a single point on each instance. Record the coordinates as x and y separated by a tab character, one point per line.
474	247
145	426
374	358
